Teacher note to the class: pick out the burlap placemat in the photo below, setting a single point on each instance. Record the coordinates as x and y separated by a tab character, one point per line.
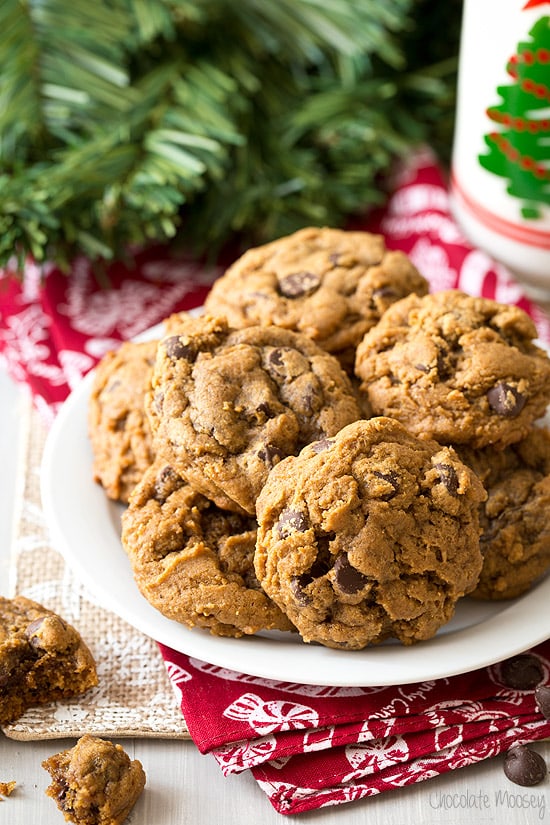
134	696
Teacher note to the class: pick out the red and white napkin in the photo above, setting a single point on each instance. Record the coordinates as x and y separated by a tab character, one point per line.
307	746
310	746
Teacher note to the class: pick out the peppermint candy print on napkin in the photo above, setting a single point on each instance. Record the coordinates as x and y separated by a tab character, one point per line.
309	746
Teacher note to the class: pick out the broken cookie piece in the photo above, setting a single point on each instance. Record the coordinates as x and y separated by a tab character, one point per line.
42	658
95	782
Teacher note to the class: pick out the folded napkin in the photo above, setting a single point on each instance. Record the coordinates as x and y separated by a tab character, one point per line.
307	746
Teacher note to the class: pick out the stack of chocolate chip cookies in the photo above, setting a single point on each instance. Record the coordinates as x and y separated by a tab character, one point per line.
329	449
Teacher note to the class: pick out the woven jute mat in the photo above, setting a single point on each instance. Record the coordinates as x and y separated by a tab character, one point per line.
134	696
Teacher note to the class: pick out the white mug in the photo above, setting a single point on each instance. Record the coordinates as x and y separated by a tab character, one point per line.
500	172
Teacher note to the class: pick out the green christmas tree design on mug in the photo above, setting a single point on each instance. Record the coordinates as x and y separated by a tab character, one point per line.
520	149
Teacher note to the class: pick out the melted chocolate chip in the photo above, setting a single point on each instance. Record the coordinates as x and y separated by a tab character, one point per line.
176	349
347	578
524	766
448	477
62	791
542	698
522	672
298	284
393	480
323	562
297	585
506	400
291	521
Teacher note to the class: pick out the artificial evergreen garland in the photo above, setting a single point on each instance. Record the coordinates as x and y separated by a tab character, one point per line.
129	121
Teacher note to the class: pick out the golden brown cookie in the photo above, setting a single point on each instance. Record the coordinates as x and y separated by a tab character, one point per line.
117	424
515	538
95	782
42	658
455	368
194	562
368	535
226	405
329	284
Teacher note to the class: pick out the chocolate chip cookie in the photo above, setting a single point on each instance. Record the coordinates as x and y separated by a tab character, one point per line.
42	658
370	534
194	562
328	284
456	368
95	782
227	405
515	538
117	424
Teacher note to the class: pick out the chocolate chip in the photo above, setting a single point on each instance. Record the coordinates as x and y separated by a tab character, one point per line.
158	401
393	480
524	766
506	400
291	521
348	579
522	672
266	409
297	585
299	283
34	627
542	698
323	562
270	454
176	349
47	632
276	357
422	368
384	292
442	366
448	477
121	423
166	482
321	445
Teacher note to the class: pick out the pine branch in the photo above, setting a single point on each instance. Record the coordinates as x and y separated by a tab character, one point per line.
124	121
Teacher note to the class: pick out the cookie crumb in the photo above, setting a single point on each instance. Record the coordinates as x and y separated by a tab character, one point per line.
6	789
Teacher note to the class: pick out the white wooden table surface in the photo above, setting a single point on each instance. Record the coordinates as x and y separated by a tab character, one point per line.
187	788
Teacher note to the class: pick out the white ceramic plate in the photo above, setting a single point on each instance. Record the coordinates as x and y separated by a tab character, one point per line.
85	528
